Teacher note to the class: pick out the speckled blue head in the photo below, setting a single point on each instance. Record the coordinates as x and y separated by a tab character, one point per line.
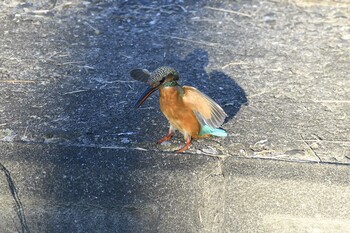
162	73
154	79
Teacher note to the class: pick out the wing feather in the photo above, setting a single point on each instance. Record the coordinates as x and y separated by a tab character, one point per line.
206	110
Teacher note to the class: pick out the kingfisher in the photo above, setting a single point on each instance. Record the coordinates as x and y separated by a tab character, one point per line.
187	109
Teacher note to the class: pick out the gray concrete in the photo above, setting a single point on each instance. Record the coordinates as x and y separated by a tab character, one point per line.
78	158
69	189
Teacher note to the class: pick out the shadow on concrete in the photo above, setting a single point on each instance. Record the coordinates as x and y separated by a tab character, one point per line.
115	182
72	162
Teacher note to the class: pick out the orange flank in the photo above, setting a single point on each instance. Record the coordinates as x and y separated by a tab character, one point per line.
180	116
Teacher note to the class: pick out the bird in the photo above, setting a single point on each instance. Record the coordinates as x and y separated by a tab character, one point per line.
187	109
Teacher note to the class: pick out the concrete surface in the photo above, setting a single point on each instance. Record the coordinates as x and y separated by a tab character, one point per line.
69	189
78	158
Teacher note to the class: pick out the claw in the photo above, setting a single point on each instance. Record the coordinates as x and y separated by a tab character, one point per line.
166	138
186	146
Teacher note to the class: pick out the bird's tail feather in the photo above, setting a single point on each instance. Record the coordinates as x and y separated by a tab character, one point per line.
205	129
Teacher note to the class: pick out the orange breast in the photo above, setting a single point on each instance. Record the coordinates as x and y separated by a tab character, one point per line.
178	114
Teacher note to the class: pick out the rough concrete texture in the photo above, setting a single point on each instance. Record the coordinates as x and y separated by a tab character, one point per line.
69	189
83	160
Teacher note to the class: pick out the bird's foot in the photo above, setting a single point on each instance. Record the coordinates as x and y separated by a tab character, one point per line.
185	147
166	138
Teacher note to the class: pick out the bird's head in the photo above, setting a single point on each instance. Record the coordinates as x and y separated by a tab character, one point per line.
154	79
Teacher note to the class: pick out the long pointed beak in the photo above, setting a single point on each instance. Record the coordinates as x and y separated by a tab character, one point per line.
147	93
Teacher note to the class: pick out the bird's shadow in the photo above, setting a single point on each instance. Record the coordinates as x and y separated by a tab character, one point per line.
222	88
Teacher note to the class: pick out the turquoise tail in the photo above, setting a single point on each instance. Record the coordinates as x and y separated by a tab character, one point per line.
215	132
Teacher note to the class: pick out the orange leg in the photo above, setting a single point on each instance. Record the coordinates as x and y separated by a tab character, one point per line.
186	146
166	138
